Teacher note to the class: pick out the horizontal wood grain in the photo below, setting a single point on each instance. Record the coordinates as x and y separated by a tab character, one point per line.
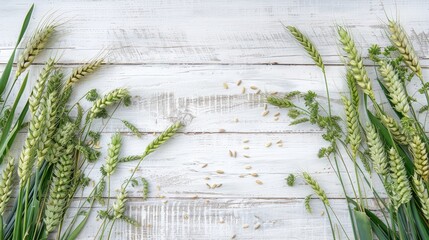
216	32
224	219
163	94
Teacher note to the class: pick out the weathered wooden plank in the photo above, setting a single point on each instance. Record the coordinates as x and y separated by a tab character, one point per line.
165	93
224	219
216	32
186	164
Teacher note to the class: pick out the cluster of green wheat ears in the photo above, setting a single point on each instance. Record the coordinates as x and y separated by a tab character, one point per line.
60	146
385	142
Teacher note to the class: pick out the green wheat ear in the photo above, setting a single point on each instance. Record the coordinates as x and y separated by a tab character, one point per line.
401	186
316	188
400	39
355	62
307	45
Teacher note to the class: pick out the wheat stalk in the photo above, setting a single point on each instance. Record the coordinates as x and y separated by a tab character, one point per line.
422	194
421	163
6	185
376	150
395	88
109	99
112	154
59	192
308	46
401	186
400	39
39	87
355	62
316	188
34	46
352	120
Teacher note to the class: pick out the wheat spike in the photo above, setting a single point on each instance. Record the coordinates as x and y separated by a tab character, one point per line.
84	70
394	129
353	133
351	83
395	88
52	116
421	163
316	188
39	87
109	99
34	46
308	46
59	192
279	102
401	186
422	194
61	139
400	39
132	128
6	185
355	62
119	205
377	150
162	138
113	154
35	131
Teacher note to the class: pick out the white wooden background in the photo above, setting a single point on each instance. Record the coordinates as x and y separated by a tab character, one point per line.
174	56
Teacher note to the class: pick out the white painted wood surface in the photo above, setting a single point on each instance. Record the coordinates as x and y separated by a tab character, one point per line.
174	56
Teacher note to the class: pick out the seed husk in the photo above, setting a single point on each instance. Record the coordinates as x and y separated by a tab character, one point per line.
245	140
248	167
254	175
220	172
259	182
204	165
277	114
265	113
257	226
268	144
253	87
225	85
246	156
239	82
246	225
243	90
246	147
221	130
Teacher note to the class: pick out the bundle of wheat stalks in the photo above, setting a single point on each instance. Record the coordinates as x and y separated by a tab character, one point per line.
59	147
384	140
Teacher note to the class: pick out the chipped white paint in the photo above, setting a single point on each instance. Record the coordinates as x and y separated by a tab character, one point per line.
220	42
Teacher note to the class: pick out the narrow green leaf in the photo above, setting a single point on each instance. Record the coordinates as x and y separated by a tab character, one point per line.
421	224
8	69
363	224
6	134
